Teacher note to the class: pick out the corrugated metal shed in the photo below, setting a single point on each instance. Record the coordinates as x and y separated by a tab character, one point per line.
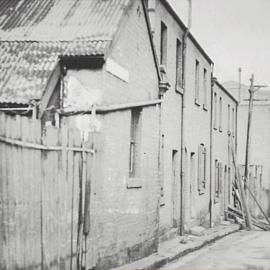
35	33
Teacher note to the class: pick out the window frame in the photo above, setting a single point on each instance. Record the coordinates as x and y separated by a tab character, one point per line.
218	180
197	82
215	111
229	120
163	43
179	66
205	101
135	142
202	169
220	114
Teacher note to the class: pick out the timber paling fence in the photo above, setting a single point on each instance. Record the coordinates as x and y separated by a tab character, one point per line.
45	185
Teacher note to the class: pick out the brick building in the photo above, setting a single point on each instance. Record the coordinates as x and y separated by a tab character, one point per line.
92	65
188	134
224	136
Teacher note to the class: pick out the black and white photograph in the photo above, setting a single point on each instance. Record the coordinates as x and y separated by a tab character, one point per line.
134	134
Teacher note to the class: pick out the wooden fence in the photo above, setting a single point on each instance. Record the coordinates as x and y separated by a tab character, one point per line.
44	195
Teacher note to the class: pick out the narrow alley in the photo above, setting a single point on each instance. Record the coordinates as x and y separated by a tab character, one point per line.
241	250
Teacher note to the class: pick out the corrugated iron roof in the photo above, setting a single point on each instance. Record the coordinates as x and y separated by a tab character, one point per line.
60	20
35	33
25	67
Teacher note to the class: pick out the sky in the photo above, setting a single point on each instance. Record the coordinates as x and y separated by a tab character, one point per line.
234	33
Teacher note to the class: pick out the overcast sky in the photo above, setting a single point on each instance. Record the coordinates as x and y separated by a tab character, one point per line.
234	33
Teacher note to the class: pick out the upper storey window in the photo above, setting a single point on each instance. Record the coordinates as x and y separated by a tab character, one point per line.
178	64
215	110
163	44
197	82
220	114
205	89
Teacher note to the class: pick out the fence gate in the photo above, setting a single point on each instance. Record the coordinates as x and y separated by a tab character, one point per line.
45	194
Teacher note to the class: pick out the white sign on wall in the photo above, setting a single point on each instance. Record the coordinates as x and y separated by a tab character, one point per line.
117	70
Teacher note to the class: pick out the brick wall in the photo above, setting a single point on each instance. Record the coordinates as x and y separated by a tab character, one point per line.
125	218
197	131
124	221
171	122
196	122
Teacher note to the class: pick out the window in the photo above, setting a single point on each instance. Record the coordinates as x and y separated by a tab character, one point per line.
218	179
201	168
178	64
229	119
220	114
215	110
233	122
205	89
163	44
135	141
197	82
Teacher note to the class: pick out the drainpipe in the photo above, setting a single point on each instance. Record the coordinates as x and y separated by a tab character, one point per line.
213	79
164	86
182	176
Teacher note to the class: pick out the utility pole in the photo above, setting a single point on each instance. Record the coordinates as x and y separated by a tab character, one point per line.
253	88
250	111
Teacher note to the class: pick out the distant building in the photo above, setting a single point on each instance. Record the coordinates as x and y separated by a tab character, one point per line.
260	140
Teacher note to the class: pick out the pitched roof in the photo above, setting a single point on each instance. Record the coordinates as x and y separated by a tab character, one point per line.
35	33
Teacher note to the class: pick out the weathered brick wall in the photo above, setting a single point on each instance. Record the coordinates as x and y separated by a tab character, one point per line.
222	139
197	122
197	131
124	221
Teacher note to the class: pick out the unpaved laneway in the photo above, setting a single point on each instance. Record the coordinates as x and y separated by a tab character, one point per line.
242	250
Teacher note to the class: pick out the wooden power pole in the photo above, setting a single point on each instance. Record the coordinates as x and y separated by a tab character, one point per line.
253	88
250	111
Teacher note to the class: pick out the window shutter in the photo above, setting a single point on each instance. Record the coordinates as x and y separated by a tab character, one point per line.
199	168
220	177
216	178
205	166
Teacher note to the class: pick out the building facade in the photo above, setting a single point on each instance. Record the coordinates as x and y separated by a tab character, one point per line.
224	138
185	123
